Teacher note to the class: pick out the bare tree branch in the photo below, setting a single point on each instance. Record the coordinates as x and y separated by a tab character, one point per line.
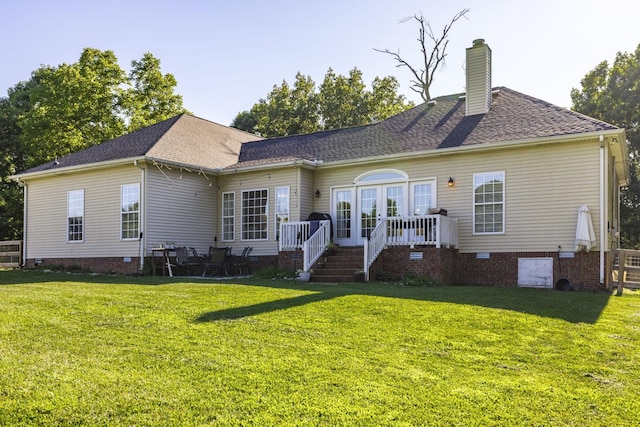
432	59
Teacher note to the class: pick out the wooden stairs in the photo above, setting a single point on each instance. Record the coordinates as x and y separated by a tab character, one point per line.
339	266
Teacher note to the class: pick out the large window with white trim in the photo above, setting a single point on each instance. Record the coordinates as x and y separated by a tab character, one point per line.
255	214
228	216
488	203
130	211
75	216
282	208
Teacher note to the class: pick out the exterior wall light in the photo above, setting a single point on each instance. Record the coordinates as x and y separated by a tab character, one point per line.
451	182
317	193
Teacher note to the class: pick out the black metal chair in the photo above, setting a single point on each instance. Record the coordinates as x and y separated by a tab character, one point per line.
183	260
241	263
219	259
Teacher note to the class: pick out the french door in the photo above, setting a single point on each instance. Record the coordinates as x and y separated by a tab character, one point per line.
375	203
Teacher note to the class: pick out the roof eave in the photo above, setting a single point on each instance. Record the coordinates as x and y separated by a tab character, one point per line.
480	147
76	168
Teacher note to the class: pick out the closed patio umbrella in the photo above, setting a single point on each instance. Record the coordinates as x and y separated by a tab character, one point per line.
585	236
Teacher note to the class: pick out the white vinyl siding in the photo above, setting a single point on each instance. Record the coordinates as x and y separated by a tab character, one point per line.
130	211
488	203
75	216
547	185
228	216
255	214
47	213
182	208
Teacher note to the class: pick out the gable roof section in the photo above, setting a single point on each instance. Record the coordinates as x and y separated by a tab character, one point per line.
183	139
436	125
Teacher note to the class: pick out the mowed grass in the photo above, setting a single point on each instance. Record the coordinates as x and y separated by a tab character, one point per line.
95	350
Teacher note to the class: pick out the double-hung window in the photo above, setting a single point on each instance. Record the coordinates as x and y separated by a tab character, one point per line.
488	203
255	214
75	216
130	211
228	216
282	208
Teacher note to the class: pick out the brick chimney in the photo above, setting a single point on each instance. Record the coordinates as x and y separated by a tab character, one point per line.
478	99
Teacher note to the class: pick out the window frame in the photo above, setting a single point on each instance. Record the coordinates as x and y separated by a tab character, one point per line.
412	195
70	208
231	217
279	217
244	215
492	203
124	213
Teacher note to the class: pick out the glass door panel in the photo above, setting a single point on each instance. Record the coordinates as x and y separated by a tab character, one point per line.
368	210
343	214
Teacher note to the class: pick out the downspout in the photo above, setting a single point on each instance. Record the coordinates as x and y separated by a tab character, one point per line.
142	218
24	225
603	222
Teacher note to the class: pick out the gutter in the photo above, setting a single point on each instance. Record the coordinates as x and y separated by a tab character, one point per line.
531	142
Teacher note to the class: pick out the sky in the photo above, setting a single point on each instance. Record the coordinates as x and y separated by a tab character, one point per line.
226	55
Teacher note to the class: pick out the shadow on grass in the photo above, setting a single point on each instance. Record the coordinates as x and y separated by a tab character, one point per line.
573	307
265	307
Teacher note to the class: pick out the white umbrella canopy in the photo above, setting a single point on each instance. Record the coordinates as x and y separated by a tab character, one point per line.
585	235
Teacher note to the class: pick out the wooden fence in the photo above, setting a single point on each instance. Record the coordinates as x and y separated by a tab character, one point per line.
10	254
626	266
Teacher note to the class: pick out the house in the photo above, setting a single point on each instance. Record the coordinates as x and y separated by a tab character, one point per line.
483	187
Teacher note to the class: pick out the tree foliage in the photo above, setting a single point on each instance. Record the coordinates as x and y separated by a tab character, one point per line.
432	57
612	93
340	101
69	107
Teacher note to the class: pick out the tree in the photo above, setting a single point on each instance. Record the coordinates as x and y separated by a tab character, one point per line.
286	111
74	106
152	97
12	158
340	101
70	107
612	94
431	58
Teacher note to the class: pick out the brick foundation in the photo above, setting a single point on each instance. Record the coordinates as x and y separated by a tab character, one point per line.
439	264
501	269
96	265
290	260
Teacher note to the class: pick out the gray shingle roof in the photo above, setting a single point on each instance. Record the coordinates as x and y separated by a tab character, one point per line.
184	139
513	116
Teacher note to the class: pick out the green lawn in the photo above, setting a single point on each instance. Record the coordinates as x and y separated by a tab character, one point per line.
97	350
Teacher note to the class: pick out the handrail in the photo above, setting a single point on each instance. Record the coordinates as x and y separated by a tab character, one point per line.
373	246
314	247
293	234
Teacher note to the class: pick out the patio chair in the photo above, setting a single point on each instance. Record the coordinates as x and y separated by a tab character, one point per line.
219	259
183	260
241	263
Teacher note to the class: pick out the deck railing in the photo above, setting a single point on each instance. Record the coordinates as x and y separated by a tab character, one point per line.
10	253
293	234
310	236
436	230
625	271
314	247
373	246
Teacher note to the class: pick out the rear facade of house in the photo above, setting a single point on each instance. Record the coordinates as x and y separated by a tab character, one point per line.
509	172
